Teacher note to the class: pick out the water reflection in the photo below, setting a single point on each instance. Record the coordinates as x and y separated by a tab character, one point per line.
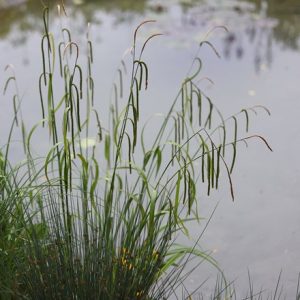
259	22
273	20
22	17
287	14
120	5
18	16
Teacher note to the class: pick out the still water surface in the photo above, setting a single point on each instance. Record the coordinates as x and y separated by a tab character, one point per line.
260	64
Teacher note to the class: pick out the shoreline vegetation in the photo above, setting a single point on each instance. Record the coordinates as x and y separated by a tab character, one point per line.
97	216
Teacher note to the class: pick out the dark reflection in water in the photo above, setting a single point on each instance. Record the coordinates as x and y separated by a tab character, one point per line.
287	13
23	16
20	16
260	22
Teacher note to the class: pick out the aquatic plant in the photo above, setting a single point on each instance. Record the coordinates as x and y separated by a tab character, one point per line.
98	216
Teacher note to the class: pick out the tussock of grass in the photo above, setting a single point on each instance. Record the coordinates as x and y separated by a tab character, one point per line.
97	219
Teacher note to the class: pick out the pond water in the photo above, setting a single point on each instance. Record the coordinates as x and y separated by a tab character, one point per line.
260	64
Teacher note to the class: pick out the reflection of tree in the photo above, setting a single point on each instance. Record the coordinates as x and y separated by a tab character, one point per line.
287	13
260	21
20	17
26	17
259	33
120	5
246	23
279	21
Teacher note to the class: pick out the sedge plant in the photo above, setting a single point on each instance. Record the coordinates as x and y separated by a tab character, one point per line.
98	217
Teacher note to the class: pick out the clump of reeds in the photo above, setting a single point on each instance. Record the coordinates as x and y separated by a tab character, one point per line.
100	222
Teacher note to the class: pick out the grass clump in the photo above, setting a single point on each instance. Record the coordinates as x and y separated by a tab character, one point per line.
100	222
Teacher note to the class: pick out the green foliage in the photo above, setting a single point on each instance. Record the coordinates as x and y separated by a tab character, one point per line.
100	222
